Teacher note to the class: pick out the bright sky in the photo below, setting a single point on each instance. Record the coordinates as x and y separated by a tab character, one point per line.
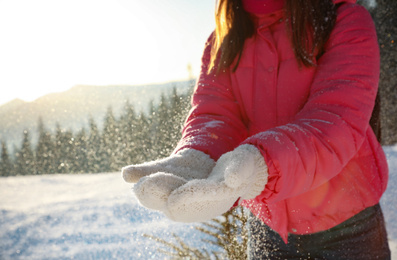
51	45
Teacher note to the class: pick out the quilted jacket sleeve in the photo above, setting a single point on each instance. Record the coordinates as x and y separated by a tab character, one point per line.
328	132
214	124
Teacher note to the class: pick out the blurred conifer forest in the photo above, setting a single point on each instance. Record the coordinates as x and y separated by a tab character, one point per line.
134	137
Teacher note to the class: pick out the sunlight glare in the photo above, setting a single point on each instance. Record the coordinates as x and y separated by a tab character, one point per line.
50	46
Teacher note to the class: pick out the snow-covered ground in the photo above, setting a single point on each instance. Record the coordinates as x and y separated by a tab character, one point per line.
96	217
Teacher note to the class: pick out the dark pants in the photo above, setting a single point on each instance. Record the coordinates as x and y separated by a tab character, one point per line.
360	237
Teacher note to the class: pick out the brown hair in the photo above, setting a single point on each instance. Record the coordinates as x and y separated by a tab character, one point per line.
309	24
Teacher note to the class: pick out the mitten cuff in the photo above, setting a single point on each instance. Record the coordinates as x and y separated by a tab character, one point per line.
260	174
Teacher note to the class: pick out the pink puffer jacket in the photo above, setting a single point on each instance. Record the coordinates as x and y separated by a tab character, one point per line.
310	124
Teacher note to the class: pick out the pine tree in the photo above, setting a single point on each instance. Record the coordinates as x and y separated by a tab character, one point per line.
64	150
45	158
180	105
136	138
152	130
94	147
156	132
81	164
128	124
58	159
165	129
69	151
6	166
24	157
230	233
227	238
111	142
143	144
166	123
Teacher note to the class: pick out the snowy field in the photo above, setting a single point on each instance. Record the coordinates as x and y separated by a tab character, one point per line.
96	217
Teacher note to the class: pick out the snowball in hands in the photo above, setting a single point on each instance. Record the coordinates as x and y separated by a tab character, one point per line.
156	180
241	173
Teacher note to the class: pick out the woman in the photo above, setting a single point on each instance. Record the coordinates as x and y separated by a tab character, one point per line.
280	124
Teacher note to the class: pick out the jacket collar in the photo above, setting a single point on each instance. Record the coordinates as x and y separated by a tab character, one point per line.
262	6
266	20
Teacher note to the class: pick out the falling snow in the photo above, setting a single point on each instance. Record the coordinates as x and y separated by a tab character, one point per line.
95	216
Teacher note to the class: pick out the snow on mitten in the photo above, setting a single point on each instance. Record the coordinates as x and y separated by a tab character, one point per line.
188	164
152	191
241	173
157	179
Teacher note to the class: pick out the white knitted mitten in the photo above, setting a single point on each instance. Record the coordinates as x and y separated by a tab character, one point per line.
241	173
188	164
156	180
